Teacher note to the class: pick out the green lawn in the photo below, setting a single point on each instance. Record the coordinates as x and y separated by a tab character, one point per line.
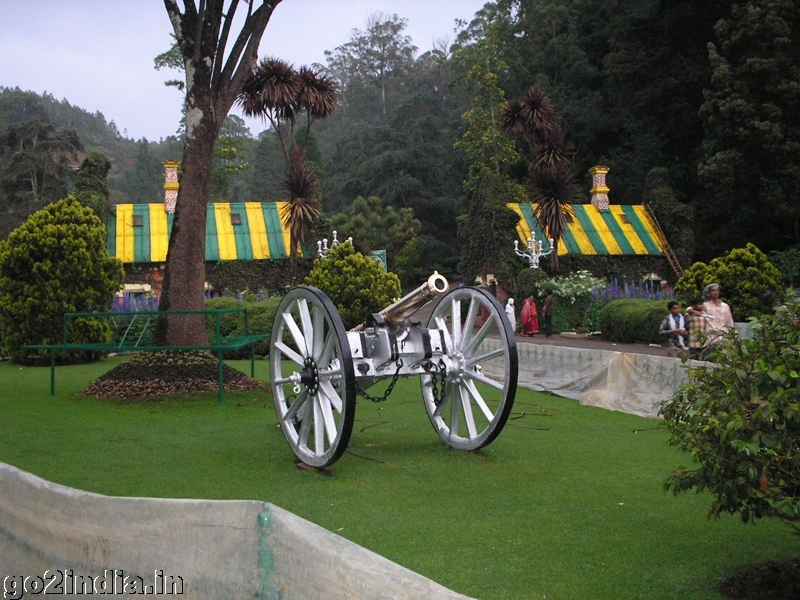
566	503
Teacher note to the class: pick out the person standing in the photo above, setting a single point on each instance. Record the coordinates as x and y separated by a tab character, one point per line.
719	314
529	317
512	317
548	311
696	325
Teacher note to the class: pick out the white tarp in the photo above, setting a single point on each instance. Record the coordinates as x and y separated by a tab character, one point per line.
631	383
214	549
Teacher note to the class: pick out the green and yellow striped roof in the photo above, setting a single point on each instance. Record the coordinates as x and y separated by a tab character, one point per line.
260	235
620	230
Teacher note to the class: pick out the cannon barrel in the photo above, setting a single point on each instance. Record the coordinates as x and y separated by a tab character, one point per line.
395	314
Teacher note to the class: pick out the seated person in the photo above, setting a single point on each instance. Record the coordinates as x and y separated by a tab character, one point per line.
673	327
697	326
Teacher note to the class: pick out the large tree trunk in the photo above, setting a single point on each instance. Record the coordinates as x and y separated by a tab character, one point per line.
184	276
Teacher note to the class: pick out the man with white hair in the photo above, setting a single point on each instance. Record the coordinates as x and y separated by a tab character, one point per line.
718	313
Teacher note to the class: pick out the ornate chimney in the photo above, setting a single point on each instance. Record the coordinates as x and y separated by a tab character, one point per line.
171	185
599	189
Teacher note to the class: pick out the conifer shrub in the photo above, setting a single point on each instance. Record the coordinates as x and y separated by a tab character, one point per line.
750	283
355	283
55	263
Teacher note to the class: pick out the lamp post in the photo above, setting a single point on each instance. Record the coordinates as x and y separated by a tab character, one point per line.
322	247
534	251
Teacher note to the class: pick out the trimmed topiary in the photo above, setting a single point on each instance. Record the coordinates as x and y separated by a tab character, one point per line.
633	321
356	284
54	263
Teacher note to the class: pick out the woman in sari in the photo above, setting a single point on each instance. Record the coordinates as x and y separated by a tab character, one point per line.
529	317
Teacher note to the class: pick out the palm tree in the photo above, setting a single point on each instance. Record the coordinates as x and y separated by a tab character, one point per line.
533	119
303	209
280	94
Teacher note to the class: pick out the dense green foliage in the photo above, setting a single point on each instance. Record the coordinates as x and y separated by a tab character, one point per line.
750	151
356	284
750	283
55	263
374	226
260	316
91	186
629	80
673	217
633	321
740	420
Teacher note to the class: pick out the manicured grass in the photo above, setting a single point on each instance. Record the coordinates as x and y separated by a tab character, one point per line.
566	503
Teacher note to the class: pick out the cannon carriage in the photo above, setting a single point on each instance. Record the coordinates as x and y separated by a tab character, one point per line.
465	357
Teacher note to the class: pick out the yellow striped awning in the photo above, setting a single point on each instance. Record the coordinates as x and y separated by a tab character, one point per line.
620	230
139	233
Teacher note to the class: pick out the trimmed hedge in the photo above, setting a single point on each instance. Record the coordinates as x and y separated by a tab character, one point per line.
633	321
260	316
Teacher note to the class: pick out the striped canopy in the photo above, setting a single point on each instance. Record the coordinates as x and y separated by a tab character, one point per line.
139	233
622	229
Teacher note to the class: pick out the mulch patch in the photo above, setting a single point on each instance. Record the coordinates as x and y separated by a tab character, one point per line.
768	581
150	374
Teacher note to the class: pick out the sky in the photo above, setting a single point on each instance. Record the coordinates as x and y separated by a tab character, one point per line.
98	54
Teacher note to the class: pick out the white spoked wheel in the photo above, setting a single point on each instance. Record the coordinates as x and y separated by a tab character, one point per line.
469	403
313	382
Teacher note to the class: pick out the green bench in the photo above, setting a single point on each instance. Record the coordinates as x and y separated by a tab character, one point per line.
133	332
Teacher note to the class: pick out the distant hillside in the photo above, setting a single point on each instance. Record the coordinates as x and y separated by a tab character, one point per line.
128	180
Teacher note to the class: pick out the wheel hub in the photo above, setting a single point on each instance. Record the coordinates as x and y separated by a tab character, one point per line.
457	364
309	376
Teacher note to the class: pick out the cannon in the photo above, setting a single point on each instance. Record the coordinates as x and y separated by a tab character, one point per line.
466	359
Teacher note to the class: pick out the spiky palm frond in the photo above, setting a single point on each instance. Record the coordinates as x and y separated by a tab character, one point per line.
512	120
316	93
553	192
553	151
272	87
304	207
538	111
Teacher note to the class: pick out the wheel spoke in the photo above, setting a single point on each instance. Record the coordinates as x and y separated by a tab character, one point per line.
468	417
484	357
469	323
288	352
456	313
319	334
319	428
455	408
331	394
297	335
308	328
296	406
327	416
498	385
327	349
441	325
480	336
476	395
305	424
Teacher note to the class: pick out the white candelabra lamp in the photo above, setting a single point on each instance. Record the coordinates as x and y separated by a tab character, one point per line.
534	251
322	247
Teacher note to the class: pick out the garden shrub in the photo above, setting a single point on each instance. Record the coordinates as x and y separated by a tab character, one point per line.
260	316
750	283
740	420
54	263
356	284
633	321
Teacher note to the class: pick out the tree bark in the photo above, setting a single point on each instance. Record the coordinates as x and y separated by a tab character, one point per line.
213	81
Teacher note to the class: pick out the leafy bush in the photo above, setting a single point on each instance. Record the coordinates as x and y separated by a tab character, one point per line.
529	282
572	296
633	321
54	263
750	283
356	284
260	316
740	420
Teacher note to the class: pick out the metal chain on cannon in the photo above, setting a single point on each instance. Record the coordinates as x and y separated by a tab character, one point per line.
389	389
438	374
